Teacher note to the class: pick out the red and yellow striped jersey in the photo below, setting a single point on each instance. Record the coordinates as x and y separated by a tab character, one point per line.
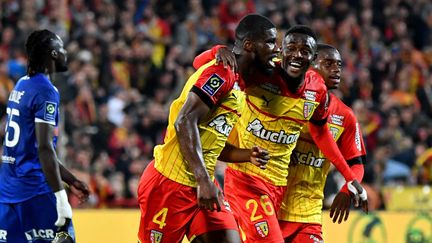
219	85
273	118
306	179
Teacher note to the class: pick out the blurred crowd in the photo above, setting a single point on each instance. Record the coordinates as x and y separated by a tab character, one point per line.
128	59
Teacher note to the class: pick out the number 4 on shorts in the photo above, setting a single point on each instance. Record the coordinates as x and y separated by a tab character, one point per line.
160	217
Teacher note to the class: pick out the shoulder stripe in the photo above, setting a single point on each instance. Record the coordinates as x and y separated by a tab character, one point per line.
38	120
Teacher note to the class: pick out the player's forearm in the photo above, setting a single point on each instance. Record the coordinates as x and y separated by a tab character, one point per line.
232	154
50	167
66	175
325	142
190	146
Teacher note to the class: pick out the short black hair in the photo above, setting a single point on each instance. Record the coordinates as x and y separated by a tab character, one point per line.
38	47
252	26
302	29
323	47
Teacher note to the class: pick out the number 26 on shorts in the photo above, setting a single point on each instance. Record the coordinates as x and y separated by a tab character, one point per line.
160	217
265	204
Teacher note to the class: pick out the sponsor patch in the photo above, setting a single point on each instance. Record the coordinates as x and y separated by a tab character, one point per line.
337	119
357	138
213	84
50	110
262	229
308	109
155	236
281	137
310	95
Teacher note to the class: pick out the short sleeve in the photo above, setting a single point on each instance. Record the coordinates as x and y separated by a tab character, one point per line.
351	142
46	105
214	83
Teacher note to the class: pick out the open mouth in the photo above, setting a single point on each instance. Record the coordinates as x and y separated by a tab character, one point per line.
273	60
295	66
335	78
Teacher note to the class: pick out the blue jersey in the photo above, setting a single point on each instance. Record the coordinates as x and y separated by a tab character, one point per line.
34	99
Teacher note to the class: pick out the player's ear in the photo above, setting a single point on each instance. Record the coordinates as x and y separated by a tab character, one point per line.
54	54
248	45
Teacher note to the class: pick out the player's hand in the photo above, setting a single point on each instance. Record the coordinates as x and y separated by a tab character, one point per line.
340	207
227	58
64	209
81	190
259	157
359	195
209	196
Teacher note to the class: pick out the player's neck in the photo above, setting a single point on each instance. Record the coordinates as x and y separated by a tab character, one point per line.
293	83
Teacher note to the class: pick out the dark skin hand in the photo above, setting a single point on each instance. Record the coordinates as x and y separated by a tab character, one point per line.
255	155
227	58
54	171
340	207
358	202
78	188
186	126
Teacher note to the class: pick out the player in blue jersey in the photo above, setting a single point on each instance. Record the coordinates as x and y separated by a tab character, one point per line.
33	201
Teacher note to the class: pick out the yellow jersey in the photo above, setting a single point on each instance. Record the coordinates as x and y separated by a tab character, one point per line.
273	118
307	175
217	87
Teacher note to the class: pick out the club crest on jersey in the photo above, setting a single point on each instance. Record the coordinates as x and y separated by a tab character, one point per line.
262	229
213	84
155	236
221	125
308	109
50	110
335	132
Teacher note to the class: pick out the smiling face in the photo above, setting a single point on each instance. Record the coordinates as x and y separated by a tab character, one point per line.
298	51
329	65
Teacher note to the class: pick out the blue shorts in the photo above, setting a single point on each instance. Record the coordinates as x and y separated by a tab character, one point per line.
31	221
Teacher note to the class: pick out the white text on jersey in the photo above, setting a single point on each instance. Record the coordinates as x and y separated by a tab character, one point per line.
258	130
309	159
220	124
15	96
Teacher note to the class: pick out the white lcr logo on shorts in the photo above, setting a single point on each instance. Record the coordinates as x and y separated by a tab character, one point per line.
3	236
39	234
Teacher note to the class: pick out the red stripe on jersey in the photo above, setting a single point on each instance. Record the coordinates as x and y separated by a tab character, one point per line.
230	110
273	116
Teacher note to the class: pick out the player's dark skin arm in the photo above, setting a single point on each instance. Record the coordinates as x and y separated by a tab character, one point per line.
186	126
78	187
256	155
47	155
